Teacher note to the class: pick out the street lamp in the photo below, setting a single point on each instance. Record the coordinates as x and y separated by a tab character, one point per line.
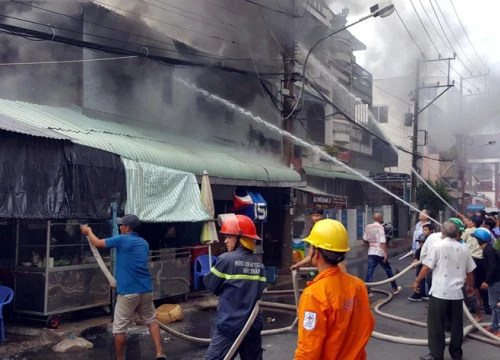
383	9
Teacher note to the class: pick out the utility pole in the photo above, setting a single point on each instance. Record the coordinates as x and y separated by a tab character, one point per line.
461	143
288	100
461	152
416	112
288	104
414	147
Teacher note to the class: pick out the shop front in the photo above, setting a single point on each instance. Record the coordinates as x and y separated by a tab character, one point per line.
158	181
50	187
307	200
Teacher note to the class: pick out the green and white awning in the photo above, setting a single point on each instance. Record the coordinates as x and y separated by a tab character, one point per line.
159	194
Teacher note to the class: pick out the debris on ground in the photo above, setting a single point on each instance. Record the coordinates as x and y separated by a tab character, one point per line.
168	313
72	344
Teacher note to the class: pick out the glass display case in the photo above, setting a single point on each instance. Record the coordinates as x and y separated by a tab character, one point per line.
170	272
56	271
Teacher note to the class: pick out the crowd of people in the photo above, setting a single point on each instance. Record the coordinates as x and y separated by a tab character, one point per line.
461	262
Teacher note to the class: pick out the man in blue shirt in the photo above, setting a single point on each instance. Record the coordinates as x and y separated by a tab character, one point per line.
133	281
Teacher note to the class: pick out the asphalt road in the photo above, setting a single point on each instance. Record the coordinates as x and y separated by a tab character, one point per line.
281	347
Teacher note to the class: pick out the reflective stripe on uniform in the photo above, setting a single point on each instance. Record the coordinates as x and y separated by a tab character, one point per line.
237	276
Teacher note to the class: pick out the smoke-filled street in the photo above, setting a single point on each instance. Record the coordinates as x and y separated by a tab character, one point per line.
280	347
173	171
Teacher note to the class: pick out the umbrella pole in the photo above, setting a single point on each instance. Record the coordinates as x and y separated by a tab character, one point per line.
210	255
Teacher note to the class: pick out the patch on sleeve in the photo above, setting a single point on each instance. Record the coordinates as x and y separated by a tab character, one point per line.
309	320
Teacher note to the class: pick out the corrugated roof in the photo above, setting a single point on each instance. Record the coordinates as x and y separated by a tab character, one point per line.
163	149
310	189
331	174
11	124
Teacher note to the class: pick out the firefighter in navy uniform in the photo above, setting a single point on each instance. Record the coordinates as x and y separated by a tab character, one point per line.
239	279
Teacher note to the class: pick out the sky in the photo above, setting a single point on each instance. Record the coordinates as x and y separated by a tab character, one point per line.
387	40
391	52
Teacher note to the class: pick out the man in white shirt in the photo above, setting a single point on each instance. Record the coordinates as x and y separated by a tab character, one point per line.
422	220
377	253
431	240
450	263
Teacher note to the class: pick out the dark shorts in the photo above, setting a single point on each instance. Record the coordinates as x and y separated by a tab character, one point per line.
479	273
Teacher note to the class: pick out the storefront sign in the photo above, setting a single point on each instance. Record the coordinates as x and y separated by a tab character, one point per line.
329	202
251	204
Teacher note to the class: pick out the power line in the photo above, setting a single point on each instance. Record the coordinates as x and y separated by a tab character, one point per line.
165	23
67	61
434	26
25	32
409	33
251	56
425	29
423	54
454	37
446	36
388	93
220	6
200	15
187	17
124	32
349	119
465	32
204	55
266	7
95	35
369	82
430	38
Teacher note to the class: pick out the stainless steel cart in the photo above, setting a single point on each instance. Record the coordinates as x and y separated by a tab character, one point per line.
65	279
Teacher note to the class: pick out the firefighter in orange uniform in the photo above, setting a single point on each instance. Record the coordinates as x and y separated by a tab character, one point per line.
335	320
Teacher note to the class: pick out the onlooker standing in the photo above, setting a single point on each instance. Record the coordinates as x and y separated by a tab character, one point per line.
492	280
377	253
316	216
422	294
428	229
133	282
480	272
422	220
490	224
450	263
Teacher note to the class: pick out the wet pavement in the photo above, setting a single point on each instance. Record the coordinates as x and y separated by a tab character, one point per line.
278	347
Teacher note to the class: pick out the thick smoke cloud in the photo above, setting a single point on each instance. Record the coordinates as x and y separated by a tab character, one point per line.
391	53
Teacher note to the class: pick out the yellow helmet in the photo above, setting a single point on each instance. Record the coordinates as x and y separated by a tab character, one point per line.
330	235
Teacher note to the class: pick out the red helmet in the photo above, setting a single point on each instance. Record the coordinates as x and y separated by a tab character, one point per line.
238	225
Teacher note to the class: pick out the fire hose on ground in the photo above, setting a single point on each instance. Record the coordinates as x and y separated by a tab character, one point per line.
489	339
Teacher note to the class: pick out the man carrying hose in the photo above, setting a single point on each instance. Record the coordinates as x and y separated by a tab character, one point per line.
239	279
423	218
335	320
450	263
133	282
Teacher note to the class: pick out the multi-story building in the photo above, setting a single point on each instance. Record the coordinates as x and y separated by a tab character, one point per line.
206	104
